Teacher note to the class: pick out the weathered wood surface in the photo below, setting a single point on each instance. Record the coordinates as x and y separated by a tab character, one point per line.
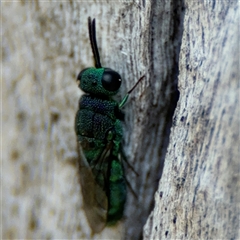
198	195
45	45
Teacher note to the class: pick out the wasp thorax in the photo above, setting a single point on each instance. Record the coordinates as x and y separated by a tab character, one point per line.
99	81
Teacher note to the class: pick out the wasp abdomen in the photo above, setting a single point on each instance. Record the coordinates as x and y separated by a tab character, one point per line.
117	192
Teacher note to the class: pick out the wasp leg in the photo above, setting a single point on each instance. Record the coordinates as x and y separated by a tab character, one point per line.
127	182
128	163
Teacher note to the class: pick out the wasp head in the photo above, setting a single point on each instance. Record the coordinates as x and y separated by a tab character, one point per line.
99	81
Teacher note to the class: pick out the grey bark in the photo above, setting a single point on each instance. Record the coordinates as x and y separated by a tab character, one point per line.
198	194
45	45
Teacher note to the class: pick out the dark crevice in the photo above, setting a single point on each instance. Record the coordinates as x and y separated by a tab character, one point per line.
169	90
171	81
164	50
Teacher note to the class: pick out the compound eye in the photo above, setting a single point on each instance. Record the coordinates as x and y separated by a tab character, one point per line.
81	73
111	80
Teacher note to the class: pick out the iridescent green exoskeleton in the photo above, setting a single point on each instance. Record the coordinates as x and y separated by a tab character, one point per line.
99	135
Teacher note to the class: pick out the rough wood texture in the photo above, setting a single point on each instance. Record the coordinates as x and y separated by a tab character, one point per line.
45	45
198	195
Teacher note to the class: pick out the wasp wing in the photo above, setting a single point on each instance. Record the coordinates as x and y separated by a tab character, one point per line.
94	197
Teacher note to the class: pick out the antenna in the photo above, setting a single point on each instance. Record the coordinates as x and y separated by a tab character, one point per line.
140	79
92	37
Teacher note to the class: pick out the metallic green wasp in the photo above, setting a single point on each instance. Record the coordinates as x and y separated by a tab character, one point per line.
99	135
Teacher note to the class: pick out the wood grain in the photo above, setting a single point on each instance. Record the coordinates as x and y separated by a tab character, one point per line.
198	194
194	45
